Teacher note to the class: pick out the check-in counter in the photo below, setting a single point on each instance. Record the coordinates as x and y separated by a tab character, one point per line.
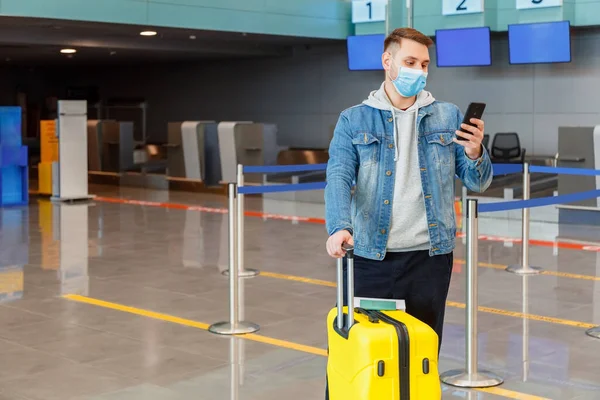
246	143
579	147
193	153
110	146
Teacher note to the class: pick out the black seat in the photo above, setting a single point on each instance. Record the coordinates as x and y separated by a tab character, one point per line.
506	148
486	141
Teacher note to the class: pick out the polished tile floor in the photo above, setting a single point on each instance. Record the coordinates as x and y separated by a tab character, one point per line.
112	301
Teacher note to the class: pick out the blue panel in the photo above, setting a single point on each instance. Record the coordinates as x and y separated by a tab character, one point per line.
12	185
11	156
10	126
543	42
364	52
466	47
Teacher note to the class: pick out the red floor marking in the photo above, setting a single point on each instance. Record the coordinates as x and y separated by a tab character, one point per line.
321	221
309	220
175	206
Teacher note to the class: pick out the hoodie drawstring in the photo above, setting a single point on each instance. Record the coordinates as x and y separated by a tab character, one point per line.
397	151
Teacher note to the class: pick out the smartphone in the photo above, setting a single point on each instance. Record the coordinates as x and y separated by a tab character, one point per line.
475	110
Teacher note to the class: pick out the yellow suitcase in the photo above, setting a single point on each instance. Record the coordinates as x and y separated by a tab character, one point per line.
379	355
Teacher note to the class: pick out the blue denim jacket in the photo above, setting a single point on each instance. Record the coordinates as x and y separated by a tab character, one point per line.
362	150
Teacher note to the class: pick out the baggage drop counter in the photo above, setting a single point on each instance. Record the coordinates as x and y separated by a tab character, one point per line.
193	159
110	150
246	143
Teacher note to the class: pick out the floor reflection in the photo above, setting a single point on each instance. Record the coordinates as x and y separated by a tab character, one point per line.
14	252
66	245
171	261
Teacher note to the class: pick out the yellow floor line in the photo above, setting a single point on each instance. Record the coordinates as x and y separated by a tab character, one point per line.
286	344
489	310
511	394
190	323
547	273
254	337
297	279
571	276
136	311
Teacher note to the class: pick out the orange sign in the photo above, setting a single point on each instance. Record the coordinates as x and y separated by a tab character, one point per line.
49	141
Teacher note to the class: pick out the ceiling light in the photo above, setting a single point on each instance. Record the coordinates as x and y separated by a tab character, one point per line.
148	33
68	51
192	37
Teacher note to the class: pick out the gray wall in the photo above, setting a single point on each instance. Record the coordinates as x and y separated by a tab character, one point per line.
305	93
533	100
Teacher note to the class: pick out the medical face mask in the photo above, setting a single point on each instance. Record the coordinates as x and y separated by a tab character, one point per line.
410	82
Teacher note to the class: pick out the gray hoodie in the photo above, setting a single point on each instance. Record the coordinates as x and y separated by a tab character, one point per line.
408	230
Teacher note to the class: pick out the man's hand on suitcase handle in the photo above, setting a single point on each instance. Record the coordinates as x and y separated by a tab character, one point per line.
335	242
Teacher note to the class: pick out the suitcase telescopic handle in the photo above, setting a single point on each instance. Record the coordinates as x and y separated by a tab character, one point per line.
349	249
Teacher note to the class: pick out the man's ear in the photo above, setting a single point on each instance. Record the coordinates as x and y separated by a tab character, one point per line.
386	61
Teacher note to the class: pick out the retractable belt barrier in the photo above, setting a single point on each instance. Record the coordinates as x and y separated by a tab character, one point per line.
470	377
507	169
296	187
277	169
564	171
541	202
527	203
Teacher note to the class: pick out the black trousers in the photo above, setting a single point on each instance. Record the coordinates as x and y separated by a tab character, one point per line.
420	280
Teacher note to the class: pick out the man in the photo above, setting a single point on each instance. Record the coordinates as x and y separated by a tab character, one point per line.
400	146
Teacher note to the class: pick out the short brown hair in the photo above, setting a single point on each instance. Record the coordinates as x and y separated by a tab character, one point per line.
406	33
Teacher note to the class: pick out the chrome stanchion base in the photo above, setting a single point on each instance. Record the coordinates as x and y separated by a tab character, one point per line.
226	328
460	378
519	270
247	273
594	332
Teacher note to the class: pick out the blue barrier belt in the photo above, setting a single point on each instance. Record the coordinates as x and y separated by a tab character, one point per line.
544	201
507	169
272	169
281	188
565	171
499	169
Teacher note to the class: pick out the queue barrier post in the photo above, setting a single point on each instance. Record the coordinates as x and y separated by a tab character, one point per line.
594	332
234	325
242	271
234	368
525	344
525	268
471	377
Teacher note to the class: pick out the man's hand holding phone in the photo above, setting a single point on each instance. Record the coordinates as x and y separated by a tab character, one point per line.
470	134
471	141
